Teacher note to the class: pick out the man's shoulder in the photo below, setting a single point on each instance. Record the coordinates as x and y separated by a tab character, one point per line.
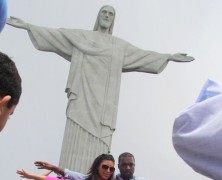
117	177
140	178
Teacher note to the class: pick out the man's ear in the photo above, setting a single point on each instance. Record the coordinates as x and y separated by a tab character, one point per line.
4	101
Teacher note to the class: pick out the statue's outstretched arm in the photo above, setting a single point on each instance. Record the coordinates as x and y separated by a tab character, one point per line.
180	57
18	23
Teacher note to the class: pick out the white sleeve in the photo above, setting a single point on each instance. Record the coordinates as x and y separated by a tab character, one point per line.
197	133
74	175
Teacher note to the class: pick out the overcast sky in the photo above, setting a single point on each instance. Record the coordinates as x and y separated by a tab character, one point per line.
148	103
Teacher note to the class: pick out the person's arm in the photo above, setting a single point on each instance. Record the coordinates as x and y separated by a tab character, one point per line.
47	172
63	172
28	175
45	165
18	23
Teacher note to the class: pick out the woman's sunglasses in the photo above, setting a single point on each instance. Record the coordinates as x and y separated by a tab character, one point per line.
112	169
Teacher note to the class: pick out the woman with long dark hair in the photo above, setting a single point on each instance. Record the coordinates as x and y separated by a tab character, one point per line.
102	168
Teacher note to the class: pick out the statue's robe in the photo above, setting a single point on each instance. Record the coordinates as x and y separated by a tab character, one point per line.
97	61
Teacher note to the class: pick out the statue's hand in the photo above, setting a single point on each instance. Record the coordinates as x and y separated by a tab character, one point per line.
180	57
16	22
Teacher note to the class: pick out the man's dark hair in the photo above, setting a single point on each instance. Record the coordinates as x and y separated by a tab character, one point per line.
10	81
93	171
125	154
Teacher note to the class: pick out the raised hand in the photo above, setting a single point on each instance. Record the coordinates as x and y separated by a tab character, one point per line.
45	165
28	175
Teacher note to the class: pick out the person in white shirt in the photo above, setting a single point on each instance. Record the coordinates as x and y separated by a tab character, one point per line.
197	132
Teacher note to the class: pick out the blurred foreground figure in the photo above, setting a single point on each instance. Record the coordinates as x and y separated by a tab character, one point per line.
97	62
10	88
197	132
3	13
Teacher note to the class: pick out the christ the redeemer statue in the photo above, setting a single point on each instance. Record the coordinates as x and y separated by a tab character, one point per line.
97	61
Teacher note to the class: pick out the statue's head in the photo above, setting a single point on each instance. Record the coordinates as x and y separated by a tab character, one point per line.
105	19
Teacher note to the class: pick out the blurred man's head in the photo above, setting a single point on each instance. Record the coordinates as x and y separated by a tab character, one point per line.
10	88
126	165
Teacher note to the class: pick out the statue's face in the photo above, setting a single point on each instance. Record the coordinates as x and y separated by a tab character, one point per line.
106	17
